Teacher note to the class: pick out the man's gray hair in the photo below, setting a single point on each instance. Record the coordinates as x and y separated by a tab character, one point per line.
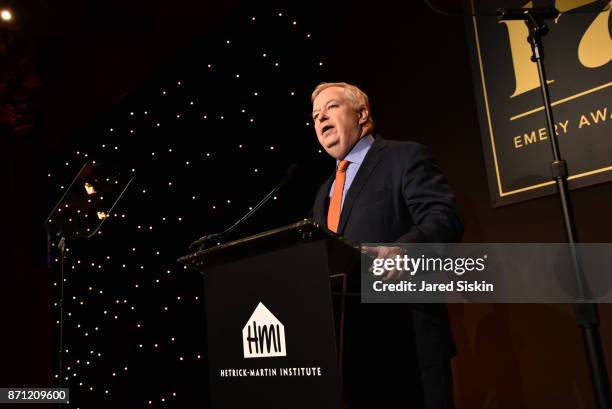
357	97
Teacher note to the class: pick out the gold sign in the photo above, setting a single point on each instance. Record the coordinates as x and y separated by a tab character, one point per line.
577	59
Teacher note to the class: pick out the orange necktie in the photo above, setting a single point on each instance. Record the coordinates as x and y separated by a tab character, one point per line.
335	204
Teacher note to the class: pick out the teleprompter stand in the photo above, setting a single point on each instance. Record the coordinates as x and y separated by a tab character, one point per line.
270	322
79	214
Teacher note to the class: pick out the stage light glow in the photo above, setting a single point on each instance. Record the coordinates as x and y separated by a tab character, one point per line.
6	15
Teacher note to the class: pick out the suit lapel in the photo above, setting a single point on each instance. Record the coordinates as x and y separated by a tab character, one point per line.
320	208
369	163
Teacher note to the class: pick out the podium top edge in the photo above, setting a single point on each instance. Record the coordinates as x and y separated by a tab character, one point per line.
304	230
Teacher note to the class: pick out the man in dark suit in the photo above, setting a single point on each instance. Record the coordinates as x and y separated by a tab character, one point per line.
386	192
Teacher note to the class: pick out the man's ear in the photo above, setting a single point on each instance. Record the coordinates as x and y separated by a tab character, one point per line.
364	114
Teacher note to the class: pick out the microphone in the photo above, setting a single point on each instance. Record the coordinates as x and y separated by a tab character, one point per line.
289	174
523	14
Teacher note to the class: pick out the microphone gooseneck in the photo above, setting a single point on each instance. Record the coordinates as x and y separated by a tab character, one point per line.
289	174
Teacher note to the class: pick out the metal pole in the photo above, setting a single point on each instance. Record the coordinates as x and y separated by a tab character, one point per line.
60	353
586	314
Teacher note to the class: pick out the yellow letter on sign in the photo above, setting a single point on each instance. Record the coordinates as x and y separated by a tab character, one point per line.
595	47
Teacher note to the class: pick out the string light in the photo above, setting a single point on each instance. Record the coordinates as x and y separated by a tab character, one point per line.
126	272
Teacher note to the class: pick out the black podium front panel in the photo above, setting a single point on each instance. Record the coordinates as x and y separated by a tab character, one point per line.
270	328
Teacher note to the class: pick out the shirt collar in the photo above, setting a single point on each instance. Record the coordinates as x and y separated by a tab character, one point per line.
359	150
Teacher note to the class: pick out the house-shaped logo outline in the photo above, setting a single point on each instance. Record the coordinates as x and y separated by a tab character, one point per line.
263	335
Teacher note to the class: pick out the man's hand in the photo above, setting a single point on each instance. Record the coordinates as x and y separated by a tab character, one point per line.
384	252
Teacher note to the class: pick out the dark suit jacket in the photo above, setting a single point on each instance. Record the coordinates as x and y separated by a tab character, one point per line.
400	195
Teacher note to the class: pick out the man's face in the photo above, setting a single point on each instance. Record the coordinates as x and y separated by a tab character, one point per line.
337	124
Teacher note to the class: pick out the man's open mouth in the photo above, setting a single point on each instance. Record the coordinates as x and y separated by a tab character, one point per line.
326	129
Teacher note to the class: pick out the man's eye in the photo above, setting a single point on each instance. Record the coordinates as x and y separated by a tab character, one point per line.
332	106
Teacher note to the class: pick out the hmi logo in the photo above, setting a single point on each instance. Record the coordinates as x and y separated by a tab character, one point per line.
263	335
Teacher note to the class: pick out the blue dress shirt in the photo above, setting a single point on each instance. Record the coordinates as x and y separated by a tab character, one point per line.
355	157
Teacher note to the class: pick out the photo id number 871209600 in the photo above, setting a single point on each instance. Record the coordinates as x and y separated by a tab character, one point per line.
34	395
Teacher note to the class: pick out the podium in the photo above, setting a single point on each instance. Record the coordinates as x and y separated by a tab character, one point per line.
274	317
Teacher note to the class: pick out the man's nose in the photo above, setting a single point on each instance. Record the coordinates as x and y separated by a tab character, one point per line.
322	117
